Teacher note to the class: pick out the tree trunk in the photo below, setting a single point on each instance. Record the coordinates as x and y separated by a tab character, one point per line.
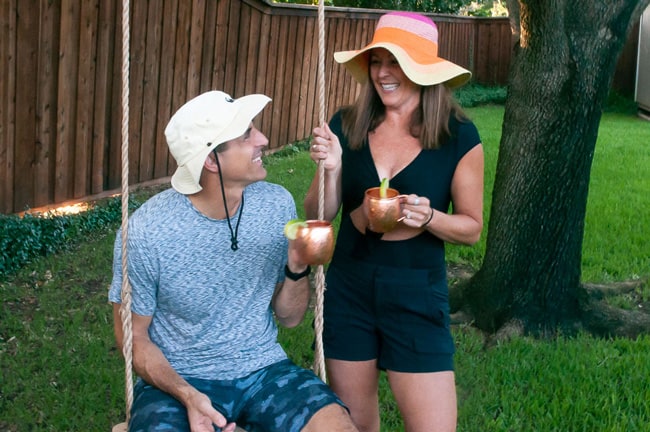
560	77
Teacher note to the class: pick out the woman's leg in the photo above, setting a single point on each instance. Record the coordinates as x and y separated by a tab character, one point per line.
356	383
427	401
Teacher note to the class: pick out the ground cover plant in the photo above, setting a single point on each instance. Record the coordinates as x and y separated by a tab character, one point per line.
60	370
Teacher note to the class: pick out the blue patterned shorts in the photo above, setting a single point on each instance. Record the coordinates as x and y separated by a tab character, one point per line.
281	397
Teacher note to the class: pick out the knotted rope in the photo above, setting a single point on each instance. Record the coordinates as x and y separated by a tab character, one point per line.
319	356
125	308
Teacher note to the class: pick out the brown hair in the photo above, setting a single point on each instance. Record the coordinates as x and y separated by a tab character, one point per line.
429	122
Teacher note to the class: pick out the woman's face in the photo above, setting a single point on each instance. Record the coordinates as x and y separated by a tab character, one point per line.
393	86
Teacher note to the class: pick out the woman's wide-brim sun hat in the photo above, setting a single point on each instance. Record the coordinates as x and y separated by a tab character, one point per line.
413	40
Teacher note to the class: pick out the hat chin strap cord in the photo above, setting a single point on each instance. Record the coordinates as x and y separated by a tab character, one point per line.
233	234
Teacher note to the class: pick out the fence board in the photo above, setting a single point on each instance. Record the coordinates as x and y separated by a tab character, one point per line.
139	15
505	51
262	65
289	80
26	67
220	43
207	45
60	82
269	86
280	65
196	48
114	169
231	51
291	98
331	72
150	90
165	87
242	59
357	40
7	57
85	97
305	37
67	100
179	66
310	83
44	163
102	102
343	77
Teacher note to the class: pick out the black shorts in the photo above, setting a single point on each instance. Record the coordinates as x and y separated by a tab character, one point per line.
398	316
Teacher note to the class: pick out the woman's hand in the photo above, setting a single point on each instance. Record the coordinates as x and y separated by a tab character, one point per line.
416	211
325	146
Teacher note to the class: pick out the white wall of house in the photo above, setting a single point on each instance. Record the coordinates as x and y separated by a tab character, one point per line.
642	89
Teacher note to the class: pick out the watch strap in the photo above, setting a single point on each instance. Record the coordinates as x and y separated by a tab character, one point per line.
296	276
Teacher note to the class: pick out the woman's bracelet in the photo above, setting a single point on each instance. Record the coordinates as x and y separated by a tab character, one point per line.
428	220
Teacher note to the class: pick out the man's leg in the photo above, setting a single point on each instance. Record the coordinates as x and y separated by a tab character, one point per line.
288	398
156	410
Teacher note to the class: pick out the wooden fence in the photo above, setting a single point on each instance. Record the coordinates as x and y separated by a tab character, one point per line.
60	108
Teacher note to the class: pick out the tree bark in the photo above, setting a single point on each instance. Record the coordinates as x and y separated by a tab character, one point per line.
560	77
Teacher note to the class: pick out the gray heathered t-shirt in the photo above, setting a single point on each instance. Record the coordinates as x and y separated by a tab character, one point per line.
211	310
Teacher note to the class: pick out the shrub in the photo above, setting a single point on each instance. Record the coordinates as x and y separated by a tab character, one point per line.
23	239
473	95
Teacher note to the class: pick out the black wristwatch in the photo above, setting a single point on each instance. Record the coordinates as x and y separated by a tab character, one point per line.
296	276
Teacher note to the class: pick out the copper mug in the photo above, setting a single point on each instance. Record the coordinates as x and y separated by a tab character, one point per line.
383	213
315	242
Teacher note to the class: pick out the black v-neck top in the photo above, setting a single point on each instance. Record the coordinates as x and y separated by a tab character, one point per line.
429	174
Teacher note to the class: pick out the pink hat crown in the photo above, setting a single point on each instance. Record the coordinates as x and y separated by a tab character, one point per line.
417	24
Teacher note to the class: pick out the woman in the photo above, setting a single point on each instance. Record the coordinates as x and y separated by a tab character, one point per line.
386	304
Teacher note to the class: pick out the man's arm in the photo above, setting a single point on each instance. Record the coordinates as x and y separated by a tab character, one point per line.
290	300
152	366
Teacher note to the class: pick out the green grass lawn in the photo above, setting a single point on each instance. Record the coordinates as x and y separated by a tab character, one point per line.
60	371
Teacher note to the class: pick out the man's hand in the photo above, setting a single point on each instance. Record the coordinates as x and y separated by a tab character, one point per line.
202	415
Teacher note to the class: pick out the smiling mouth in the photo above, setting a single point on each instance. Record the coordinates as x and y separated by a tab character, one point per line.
389	87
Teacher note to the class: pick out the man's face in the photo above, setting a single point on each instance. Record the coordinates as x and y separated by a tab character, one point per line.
241	161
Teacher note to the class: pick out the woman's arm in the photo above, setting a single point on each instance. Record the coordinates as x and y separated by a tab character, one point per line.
465	224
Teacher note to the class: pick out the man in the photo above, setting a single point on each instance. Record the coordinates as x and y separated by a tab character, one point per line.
209	269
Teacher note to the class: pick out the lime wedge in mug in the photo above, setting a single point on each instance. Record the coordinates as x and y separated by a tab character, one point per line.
383	187
292	227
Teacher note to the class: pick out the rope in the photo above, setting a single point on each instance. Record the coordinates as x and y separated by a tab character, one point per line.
125	309
319	356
